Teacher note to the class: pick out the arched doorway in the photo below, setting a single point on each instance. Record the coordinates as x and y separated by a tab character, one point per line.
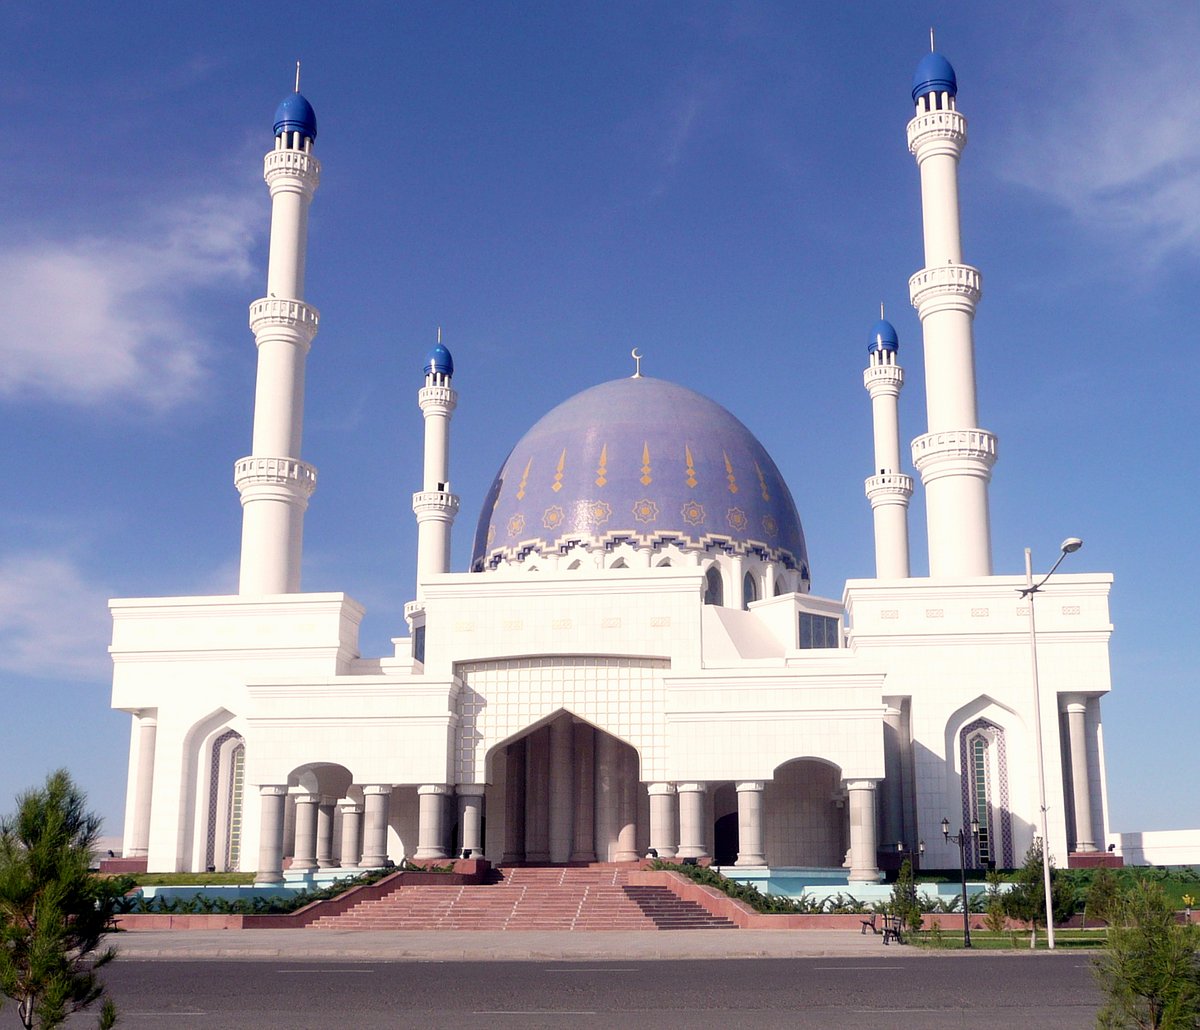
806	820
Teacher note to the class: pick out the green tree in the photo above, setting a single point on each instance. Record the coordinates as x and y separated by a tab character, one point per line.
994	907
1103	895
1150	970
53	912
903	902
1026	900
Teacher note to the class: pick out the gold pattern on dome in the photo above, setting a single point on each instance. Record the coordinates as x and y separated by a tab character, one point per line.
602	469
691	467
524	480
733	487
770	525
558	472
516	524
491	535
693	513
737	519
762	483
552	517
645	510
594	513
647	479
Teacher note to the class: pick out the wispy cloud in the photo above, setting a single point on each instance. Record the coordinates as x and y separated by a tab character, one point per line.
1110	126
53	621
95	319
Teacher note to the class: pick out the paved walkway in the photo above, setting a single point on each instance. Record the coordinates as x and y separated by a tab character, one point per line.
416	945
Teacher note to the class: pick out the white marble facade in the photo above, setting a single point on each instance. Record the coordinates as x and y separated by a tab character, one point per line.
634	660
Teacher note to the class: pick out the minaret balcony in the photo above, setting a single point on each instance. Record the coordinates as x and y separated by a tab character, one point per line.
286	472
954	452
945	286
945	131
282	313
437	397
435	504
886	486
280	166
883	376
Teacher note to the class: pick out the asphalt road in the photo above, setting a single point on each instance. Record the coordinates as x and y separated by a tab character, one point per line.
1028	992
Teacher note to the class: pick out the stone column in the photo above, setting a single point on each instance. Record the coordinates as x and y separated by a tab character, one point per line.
562	789
863	868
584	848
1080	781
750	823
375	828
470	818
325	858
627	805
147	734
514	802
431	820
305	858
537	796
272	796
352	820
691	820
663	832
607	770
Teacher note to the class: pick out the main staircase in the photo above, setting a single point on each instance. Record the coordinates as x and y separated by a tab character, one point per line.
596	897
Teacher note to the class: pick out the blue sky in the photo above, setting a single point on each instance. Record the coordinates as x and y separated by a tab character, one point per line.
724	185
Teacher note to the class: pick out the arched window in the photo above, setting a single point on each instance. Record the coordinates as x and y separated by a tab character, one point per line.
619	564
226	790
985	791
749	590
664	563
780	584
574	565
714	593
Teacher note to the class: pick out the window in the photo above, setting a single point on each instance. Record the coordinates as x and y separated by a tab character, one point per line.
979	797
713	591
749	590
818	631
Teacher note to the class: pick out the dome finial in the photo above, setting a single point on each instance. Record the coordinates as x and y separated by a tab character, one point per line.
932	47
637	364
882	316
297	76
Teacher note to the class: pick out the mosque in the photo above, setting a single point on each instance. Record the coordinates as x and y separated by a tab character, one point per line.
634	660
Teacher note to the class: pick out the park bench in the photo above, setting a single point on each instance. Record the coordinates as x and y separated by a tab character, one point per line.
869	924
893	928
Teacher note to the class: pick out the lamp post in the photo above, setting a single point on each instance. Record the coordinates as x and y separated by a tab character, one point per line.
961	839
1069	546
913	856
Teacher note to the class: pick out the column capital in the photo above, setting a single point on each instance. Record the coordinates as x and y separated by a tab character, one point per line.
350	807
692	787
308	799
471	789
655	789
861	784
326	799
757	785
272	790
435	788
377	788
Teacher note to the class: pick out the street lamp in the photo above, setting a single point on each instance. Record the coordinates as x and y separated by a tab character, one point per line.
961	839
902	849
1069	546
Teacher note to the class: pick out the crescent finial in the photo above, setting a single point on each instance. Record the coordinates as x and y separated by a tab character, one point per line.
637	358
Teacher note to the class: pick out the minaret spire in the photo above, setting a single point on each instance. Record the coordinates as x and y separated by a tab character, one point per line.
890	489
955	457
297	76
274	483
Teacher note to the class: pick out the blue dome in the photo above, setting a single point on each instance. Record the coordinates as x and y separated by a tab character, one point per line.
883	337
439	360
295	114
934	75
639	458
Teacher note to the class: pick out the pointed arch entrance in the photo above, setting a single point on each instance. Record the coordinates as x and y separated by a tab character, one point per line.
567	791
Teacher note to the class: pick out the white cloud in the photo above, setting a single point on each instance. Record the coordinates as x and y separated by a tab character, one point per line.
1108	125
53	622
93	320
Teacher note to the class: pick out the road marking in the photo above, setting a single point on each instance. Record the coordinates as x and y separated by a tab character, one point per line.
534	1012
594	969
335	969
897	966
156	1015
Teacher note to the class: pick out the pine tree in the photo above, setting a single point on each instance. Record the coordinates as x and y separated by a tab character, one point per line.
53	912
1027	898
1150	970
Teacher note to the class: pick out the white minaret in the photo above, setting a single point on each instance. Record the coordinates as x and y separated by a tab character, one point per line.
954	457
434	505
889	489
274	483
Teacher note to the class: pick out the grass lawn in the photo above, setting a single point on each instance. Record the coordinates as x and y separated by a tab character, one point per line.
1008	940
192	879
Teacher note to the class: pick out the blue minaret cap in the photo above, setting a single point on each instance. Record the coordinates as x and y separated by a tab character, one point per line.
934	75
883	337
295	114
439	360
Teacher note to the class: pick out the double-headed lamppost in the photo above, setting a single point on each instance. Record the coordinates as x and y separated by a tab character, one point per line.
1069	546
961	839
